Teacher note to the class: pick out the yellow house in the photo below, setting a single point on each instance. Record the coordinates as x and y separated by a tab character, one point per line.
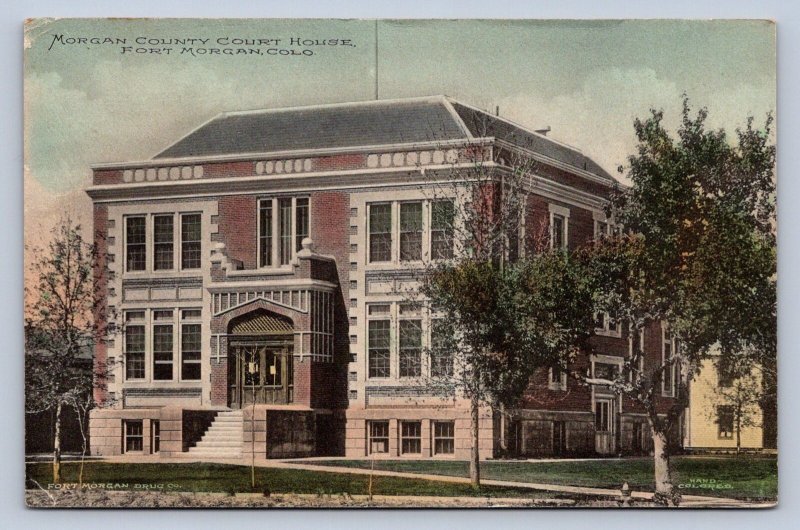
723	413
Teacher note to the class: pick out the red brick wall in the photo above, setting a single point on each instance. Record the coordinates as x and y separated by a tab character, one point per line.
107	176
228	169
339	162
101	316
219	382
238	228
330	230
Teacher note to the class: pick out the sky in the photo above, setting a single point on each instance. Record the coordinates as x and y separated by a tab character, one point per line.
94	102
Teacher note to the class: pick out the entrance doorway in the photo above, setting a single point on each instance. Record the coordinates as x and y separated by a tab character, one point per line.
260	373
604	426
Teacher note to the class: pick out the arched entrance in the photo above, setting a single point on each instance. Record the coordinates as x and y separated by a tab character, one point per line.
260	368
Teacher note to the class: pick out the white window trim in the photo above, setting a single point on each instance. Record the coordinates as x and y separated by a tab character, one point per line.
149	243
606	330
562	212
197	321
561	384
274	251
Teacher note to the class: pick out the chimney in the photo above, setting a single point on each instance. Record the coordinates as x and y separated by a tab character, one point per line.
544	131
497	110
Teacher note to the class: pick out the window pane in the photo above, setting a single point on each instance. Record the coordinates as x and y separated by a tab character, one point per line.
379	348
380	232
162	241
441	356
444	437
285	227
378	437
265	233
558	231
134	434
162	352
410	348
410	437
136	247
442	218
134	352
273	367
190	351
301	230
410	231
190	241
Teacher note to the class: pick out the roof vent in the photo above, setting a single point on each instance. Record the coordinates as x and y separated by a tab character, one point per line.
544	131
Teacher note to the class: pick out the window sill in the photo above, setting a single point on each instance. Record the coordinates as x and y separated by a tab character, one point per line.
607	333
264	271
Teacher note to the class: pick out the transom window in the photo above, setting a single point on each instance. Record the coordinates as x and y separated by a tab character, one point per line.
444	437
283	223
410	437
378	437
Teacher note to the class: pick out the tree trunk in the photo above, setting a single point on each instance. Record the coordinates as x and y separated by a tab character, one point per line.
666	494
475	461
57	447
739	433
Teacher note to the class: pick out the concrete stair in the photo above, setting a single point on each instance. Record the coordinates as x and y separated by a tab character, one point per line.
223	439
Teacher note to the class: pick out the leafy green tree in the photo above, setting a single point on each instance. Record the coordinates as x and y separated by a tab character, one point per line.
65	314
698	253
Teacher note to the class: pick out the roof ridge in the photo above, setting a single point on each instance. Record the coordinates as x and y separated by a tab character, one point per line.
440	98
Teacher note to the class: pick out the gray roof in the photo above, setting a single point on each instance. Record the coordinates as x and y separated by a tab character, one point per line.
360	124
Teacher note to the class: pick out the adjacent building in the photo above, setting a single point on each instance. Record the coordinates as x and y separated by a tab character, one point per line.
256	269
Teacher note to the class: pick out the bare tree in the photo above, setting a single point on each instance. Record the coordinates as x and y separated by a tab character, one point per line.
66	313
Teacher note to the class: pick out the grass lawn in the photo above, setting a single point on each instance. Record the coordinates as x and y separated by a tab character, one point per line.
231	478
749	477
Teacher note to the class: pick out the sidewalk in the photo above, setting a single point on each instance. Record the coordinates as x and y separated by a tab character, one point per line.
688	501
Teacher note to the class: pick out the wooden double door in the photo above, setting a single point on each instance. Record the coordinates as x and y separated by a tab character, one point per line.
260	372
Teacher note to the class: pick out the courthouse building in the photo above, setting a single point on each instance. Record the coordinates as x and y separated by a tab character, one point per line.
257	266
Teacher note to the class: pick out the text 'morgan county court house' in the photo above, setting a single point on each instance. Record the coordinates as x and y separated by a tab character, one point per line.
257	270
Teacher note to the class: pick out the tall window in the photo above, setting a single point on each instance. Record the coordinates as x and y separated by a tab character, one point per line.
134	435
378	341
410	231
441	358
442	218
380	232
162	345
410	437
378	437
134	345
282	225
191	235
285	228
301	223
155	436
163	235
602	416
410	348
135	244
556	378
725	421
558	231
190	345
265	233
444	437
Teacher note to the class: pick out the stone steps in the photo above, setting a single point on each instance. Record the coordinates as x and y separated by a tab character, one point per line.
223	439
